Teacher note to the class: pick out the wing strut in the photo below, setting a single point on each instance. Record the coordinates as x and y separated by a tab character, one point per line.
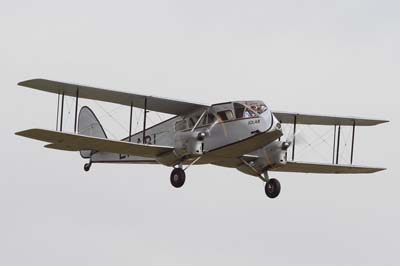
338	146
334	144
62	111
294	136
352	142
58	109
60	115
130	123
144	120
76	109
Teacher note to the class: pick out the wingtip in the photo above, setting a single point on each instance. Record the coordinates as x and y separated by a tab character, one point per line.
25	83
22	83
28	82
379	122
377	169
20	133
23	133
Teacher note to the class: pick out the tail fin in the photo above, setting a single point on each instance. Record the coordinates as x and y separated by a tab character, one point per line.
89	125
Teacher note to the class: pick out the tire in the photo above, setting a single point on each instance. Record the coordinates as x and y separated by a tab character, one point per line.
178	177
272	188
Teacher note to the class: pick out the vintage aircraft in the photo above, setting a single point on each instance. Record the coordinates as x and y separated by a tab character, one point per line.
245	135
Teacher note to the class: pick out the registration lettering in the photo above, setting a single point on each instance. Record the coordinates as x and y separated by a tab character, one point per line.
256	121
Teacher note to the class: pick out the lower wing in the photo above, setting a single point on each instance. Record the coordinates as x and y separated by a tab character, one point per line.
73	142
317	168
237	149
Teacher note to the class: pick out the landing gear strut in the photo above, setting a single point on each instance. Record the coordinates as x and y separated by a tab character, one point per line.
178	177
87	166
272	188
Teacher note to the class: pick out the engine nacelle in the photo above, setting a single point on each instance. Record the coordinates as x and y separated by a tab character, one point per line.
276	153
186	144
271	156
190	143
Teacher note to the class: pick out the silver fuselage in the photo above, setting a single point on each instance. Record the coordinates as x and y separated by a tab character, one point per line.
217	134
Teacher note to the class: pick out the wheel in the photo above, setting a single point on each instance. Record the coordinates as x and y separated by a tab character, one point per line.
272	188
178	177
86	167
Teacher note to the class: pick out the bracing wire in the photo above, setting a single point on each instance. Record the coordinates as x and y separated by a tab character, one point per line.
343	155
314	144
112	117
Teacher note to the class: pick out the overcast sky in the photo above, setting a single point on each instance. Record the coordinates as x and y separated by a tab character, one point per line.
330	57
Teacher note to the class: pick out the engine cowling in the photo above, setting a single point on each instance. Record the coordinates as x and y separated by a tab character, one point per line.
186	144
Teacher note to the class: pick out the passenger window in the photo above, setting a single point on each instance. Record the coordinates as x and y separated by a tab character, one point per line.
225	115
180	125
191	122
204	120
207	119
210	118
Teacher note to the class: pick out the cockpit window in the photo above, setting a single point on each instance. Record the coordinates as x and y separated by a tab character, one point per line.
242	111
248	113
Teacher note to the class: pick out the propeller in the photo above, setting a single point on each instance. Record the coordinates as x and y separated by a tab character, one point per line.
290	138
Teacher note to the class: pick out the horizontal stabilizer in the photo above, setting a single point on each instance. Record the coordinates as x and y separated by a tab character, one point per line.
156	104
316	168
237	149
308	119
73	142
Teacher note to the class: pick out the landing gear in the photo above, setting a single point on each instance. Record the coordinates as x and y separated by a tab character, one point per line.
178	177
272	188
87	166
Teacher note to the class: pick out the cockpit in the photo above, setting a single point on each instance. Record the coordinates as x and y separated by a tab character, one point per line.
256	106
222	112
239	110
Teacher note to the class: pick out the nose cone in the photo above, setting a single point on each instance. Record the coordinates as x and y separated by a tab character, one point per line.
271	121
276	124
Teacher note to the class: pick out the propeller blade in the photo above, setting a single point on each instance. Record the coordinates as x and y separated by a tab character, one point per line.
299	138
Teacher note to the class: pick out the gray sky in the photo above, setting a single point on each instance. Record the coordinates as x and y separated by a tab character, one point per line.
333	57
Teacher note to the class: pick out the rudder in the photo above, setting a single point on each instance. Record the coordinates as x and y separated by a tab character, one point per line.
89	125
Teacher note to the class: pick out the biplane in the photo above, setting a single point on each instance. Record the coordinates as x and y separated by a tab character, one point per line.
245	135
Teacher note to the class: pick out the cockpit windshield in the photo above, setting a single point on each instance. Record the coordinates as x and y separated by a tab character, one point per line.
257	106
249	108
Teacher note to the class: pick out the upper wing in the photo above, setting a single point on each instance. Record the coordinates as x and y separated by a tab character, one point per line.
157	104
73	142
307	119
237	149
316	168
